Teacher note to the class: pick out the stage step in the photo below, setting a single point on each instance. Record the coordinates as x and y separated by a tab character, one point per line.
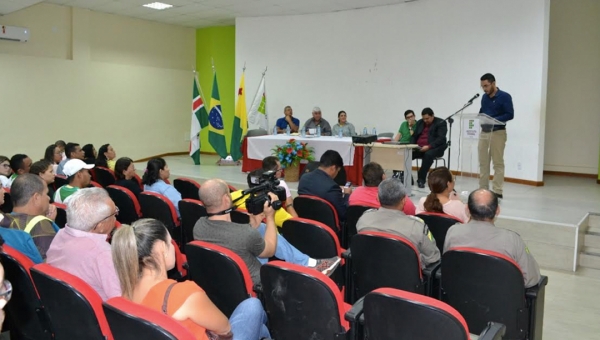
589	260
590	253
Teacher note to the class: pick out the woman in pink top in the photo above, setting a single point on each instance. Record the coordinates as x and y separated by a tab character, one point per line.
442	198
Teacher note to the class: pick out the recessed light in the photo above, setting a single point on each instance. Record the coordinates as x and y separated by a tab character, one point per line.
158	5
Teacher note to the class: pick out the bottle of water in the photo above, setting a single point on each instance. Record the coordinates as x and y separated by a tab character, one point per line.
275	130
319	131
340	133
287	130
374	131
365	131
303	132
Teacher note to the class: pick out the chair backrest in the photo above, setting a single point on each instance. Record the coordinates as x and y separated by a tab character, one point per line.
256	132
392	314
318	209
94	184
61	215
74	308
240	215
59	181
138	180
132	321
486	286
439	224
385	260
104	176
129	207
221	273
159	207
187	187
190	211
232	188
24	312
7	207
313	238
353	214
302	303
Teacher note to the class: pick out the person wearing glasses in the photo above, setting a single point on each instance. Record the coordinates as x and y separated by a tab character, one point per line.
78	176
406	130
5	172
81	247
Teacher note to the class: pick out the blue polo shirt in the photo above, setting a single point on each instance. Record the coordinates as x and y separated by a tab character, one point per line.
283	124
499	107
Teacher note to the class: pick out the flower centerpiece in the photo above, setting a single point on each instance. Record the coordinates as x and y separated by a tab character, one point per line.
290	154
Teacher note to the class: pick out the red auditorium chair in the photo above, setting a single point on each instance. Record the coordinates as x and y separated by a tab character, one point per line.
74	308
391	314
180	263
59	181
7	206
129	207
94	184
221	273
318	209
302	303
190	211
132	321
439	224
104	176
187	187
138	180
353	214
159	207
61	215
231	188
484	285
26	317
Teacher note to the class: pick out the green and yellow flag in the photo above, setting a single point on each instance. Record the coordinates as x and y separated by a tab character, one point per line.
240	122
216	132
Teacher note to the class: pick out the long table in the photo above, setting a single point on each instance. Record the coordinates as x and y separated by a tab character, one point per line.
392	157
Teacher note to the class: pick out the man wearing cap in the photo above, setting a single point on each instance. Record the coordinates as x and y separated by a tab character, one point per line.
317	121
78	175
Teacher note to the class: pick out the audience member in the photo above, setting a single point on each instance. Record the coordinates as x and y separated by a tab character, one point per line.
373	175
157	171
5	172
281	215
124	172
32	211
317	121
481	233
256	242
62	146
5	289
53	155
390	219
81	249
271	163
89	154
442	198
78	176
346	127
407	128
16	238
430	134
320	183
72	151
142	255
106	157
45	170
287	120
20	164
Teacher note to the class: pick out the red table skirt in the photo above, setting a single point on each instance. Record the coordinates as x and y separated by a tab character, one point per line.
353	173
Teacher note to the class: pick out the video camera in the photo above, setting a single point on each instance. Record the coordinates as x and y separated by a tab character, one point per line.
260	187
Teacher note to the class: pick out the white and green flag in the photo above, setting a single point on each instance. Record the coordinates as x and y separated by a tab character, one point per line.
258	111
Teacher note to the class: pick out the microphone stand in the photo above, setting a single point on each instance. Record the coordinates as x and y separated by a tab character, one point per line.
450	120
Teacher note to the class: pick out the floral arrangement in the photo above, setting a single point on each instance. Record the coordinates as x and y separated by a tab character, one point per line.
292	152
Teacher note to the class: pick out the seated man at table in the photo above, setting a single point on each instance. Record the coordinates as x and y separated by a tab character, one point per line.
317	121
320	183
430	135
373	175
287	120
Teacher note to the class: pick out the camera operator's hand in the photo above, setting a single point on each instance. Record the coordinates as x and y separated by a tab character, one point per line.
269	211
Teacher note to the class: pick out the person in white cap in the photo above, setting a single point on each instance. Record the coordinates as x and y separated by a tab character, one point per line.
78	175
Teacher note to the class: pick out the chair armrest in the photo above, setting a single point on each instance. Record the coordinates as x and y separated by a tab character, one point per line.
493	331
432	269
347	254
356	311
532	292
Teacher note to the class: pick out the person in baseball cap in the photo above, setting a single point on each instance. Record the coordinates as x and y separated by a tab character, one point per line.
78	176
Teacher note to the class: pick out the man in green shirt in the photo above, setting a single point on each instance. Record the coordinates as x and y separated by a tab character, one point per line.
404	133
78	175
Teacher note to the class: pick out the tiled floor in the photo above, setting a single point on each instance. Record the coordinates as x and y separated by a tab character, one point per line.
572	305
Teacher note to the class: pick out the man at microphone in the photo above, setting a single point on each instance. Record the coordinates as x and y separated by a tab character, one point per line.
498	105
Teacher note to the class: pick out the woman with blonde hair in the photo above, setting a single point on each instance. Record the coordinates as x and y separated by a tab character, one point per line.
143	253
442	198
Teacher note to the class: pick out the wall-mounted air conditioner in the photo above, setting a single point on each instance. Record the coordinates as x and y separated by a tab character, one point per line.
14	33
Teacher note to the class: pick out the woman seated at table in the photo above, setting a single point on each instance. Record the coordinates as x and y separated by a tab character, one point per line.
442	198
343	125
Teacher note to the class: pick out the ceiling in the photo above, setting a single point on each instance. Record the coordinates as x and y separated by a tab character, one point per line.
204	13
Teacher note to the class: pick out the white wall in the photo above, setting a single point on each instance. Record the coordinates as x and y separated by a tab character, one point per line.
375	63
96	78
573	119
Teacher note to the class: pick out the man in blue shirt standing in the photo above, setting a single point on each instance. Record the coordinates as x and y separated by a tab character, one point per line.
283	122
498	105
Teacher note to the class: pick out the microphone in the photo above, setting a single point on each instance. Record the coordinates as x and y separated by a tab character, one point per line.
474	97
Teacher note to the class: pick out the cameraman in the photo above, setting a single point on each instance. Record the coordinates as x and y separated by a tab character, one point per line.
271	163
254	242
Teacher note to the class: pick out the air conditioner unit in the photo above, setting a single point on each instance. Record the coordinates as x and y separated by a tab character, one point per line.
14	33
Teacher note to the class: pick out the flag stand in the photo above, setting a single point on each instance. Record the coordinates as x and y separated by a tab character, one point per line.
228	162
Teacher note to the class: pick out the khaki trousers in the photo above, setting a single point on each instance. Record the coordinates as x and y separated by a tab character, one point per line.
491	148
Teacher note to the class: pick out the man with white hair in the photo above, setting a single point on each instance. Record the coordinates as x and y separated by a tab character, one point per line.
81	249
317	121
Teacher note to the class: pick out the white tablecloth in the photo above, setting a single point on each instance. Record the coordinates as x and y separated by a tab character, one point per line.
260	147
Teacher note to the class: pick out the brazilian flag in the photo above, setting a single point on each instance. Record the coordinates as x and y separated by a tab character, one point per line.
216	133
